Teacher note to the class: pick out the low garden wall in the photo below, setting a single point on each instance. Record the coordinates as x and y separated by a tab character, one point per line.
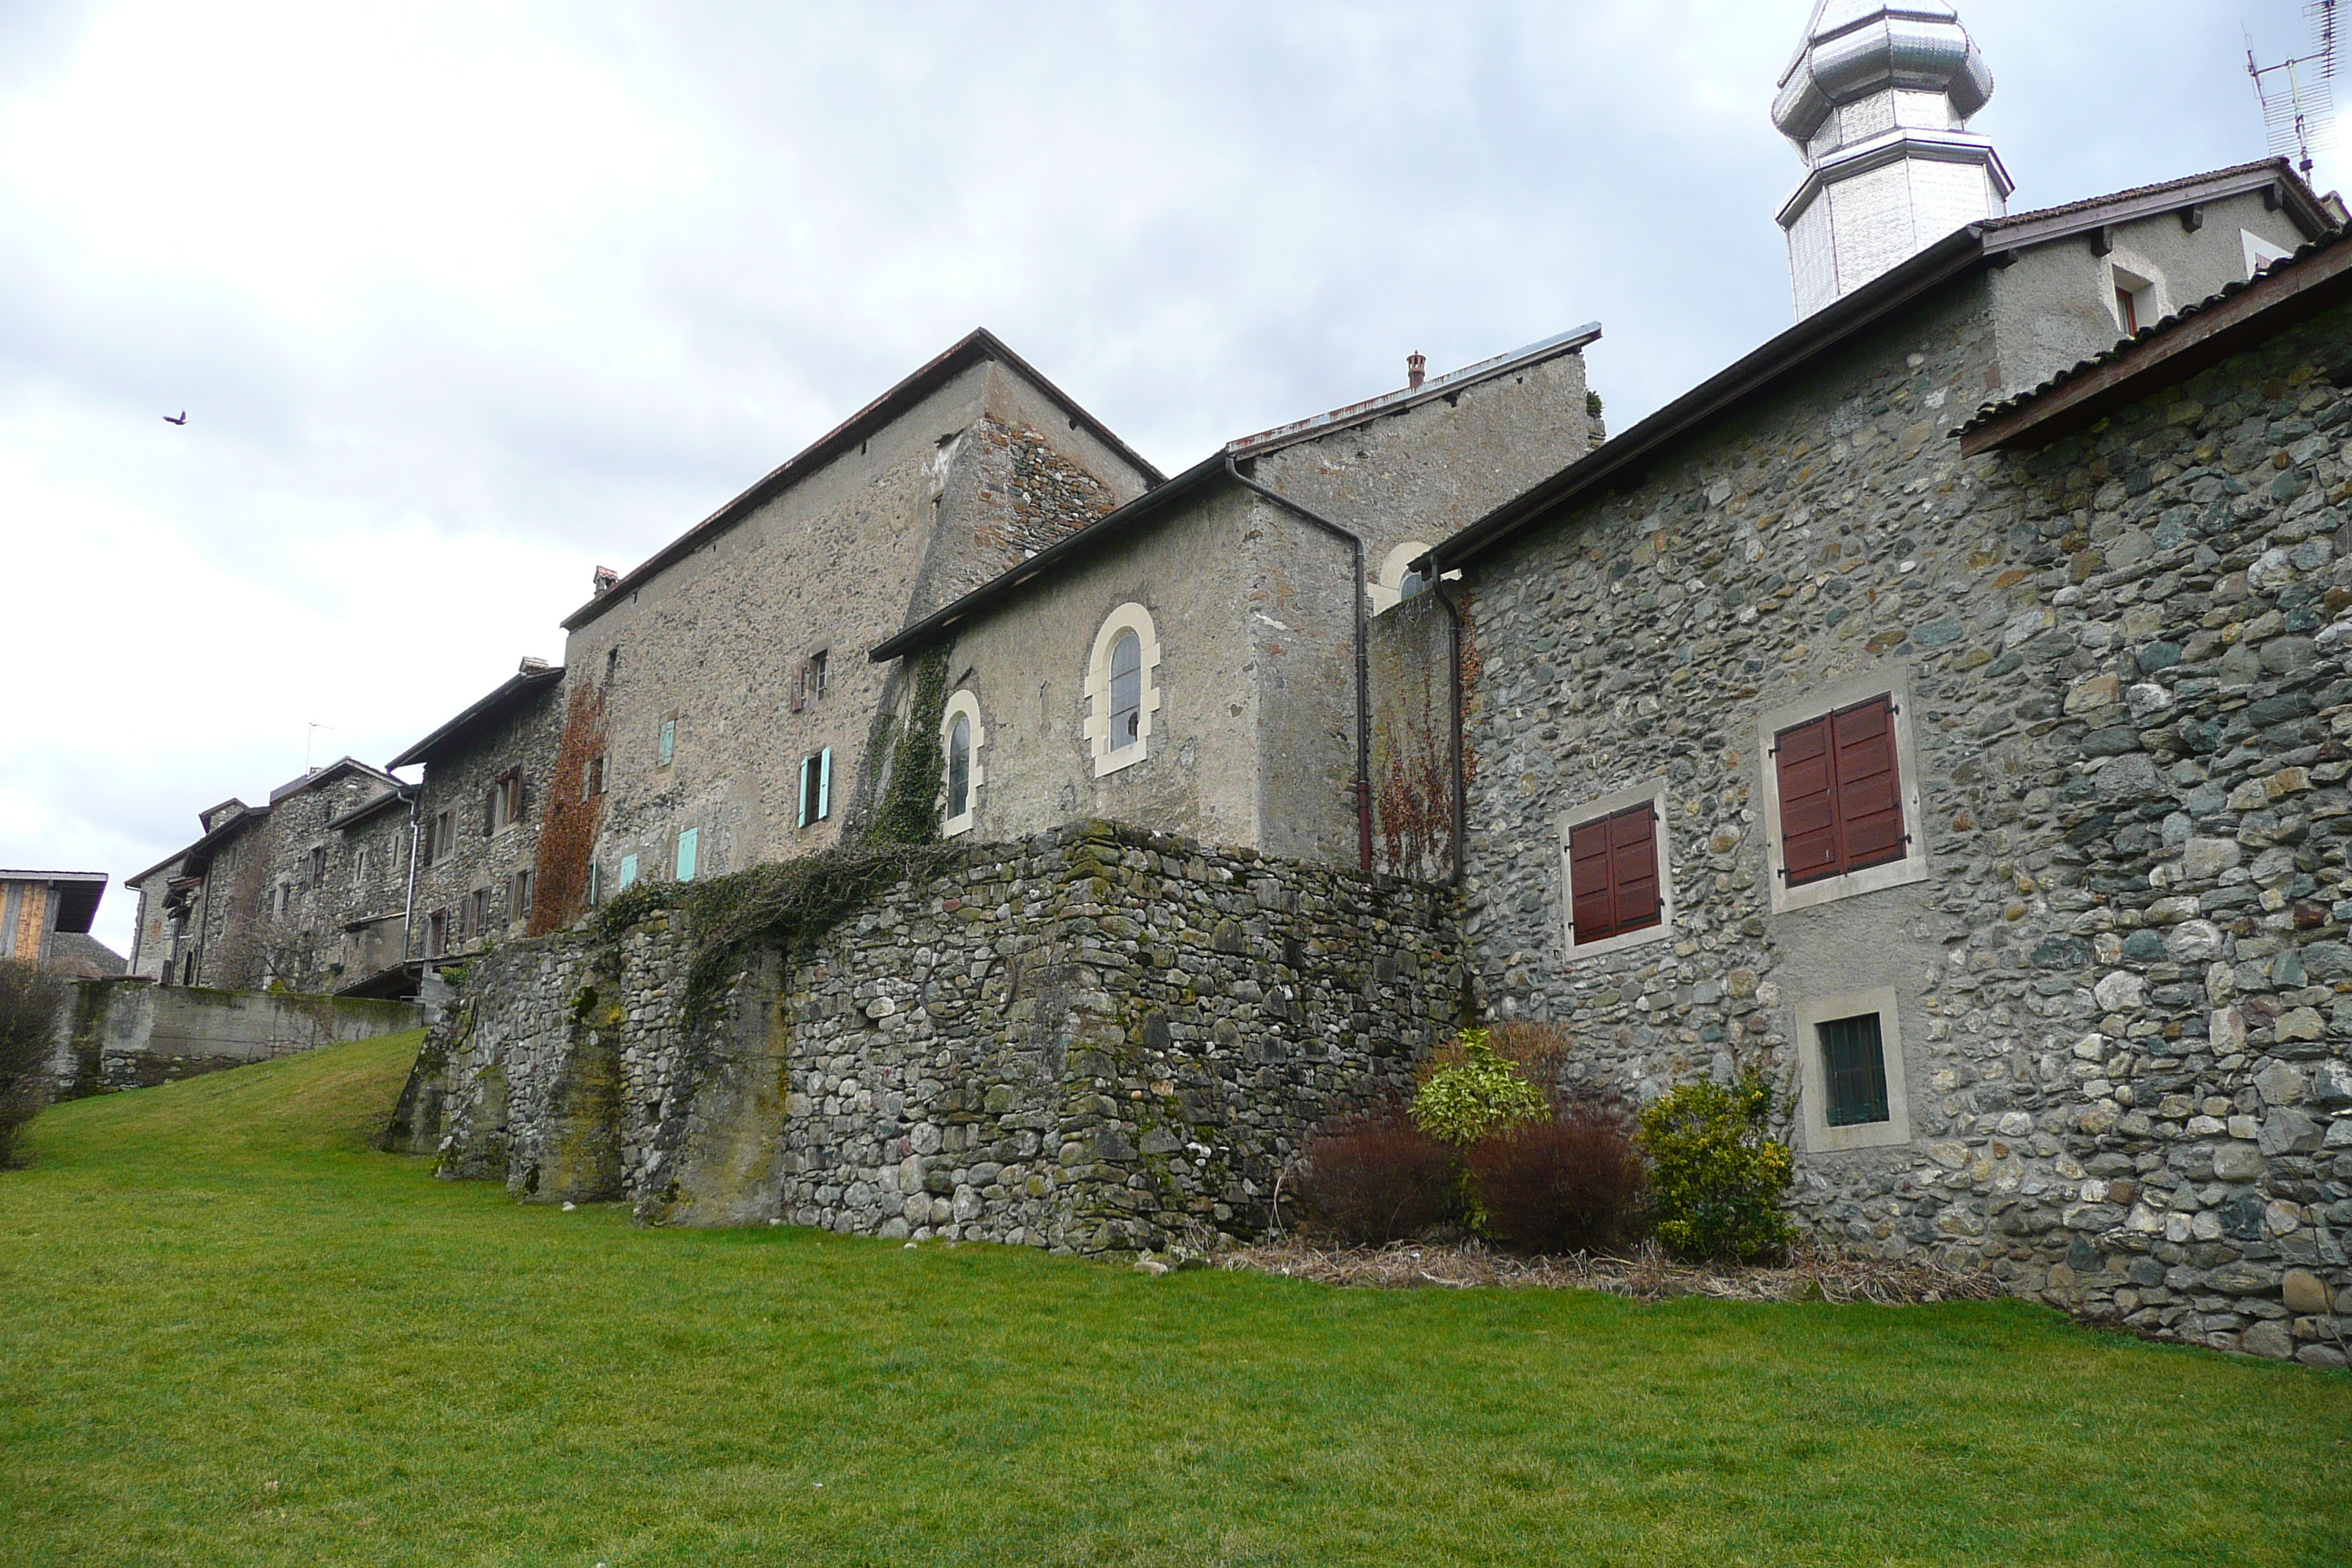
1099	1038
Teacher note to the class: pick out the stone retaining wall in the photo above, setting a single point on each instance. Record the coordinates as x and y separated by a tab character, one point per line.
129	1032
1098	1038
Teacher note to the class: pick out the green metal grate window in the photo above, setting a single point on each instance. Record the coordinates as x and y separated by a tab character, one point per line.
1854	1061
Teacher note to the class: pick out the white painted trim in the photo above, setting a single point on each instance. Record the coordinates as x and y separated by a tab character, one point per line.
964	704
2132	273
2259	250
1385	590
1820	1138
1654	793
1133	617
1893	682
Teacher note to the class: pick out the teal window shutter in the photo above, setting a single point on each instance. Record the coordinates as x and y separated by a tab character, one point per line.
628	871
807	796
688	842
824	784
1853	1054
668	741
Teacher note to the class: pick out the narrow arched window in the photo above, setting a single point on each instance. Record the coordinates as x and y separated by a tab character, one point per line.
1125	691
960	766
962	738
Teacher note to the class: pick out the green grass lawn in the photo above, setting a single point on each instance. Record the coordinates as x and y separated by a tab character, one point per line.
231	1333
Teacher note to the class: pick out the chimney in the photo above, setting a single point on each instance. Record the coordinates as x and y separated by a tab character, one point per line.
1416	368
605	578
531	666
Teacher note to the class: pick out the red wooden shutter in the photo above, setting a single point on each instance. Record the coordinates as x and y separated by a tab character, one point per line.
1634	867
1809	847
1613	874
1594	911
1841	792
1870	795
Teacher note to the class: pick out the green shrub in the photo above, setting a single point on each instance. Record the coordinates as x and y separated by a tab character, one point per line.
1480	1095
1717	1178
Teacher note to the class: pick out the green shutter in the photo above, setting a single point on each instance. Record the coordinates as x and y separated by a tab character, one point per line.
1854	1063
688	843
628	871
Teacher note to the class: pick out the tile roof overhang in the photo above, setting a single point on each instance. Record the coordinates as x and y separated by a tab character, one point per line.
1625	459
500	702
978	347
2315	277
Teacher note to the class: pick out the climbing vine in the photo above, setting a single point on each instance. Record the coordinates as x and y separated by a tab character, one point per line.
908	812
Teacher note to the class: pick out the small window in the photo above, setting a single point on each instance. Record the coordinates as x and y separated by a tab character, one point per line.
628	872
816	674
1854	1065
668	745
436	933
959	766
360	867
1618	881
816	786
1121	690
478	912
689	845
1841	792
318	868
2127	311
445	835
2260	253
519	897
1126	691
505	800
1851	1065
612	663
1614	873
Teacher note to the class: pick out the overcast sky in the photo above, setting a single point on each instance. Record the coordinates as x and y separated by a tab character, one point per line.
461	300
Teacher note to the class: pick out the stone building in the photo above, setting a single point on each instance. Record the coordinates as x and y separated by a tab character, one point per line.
719	710
1195	660
45	921
264	894
1983	796
478	812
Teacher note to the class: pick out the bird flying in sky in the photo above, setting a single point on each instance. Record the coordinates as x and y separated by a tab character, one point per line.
183	419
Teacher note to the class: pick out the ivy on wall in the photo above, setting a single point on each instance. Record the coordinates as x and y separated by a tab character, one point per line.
909	809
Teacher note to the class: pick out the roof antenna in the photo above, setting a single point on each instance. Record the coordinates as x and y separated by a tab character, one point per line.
310	735
2298	104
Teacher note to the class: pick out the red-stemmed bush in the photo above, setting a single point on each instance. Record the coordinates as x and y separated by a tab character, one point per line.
1378	1179
1576	1183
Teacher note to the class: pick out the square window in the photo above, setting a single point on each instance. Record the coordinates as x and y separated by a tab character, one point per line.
1616	876
1850	1062
1842	806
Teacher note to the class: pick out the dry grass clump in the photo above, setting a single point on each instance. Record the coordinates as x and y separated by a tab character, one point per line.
1813	1273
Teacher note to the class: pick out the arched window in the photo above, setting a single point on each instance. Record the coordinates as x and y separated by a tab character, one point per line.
1396	583
962	735
1121	689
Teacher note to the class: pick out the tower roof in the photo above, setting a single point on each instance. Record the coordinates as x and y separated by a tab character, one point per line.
1853	48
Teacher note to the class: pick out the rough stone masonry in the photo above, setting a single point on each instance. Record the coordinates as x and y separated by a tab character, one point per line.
1098	1038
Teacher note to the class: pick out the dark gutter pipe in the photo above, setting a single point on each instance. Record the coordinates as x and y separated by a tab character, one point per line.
1363	653
1461	765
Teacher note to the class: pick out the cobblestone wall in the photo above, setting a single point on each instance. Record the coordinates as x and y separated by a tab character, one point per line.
2124	984
1097	1038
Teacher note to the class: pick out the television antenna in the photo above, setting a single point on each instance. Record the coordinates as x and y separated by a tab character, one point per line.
2298	101
308	736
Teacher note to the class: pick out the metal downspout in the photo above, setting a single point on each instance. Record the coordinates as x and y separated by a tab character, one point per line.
1454	701
1363	654
408	910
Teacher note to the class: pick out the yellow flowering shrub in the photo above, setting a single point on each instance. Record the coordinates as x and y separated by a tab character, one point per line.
1718	1177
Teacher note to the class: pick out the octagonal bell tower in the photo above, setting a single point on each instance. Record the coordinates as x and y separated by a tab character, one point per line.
1877	100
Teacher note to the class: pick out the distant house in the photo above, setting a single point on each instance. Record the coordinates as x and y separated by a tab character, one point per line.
45	919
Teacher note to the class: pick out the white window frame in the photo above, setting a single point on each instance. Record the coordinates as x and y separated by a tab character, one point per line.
1131	617
1387	590
961	704
1654	793
2133	274
1820	1138
1913	868
2258	251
